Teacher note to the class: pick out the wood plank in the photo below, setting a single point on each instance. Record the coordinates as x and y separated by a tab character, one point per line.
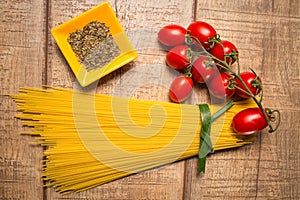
141	20
22	36
265	33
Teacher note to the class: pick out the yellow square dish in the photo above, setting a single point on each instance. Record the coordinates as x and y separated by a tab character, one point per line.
101	13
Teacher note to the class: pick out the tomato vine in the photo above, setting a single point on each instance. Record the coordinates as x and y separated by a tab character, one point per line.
223	64
198	56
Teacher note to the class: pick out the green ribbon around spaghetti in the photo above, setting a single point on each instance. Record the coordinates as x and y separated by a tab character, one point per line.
205	141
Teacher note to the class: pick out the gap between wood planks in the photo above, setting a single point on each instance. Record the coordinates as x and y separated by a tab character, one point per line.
45	72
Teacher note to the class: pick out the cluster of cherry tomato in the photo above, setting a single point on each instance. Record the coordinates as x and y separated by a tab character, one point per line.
202	57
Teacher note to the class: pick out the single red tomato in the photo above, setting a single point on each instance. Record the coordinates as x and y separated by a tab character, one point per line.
172	35
222	54
252	81
176	58
202	31
222	86
203	69
249	121
181	88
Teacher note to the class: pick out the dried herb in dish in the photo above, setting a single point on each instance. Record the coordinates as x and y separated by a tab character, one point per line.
94	45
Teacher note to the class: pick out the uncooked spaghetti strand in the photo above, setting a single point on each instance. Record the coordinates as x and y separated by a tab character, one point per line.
59	114
119	160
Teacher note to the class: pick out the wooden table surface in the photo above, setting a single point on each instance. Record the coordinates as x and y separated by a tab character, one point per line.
267	33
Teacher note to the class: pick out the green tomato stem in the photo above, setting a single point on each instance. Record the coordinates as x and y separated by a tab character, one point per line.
271	114
257	102
220	112
238	88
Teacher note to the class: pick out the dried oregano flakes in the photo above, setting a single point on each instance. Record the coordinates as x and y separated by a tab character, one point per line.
94	45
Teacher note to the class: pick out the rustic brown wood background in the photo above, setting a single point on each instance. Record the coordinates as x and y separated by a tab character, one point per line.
267	33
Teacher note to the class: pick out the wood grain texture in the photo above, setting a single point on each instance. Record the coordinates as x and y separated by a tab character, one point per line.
267	34
139	19
22	55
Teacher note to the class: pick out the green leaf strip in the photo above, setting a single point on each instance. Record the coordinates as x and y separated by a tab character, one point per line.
205	141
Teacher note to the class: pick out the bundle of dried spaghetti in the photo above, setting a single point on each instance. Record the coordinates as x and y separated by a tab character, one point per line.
93	139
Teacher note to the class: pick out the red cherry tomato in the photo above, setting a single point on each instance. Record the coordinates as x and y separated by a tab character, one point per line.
172	35
222	86
176	58
181	88
252	81
202	31
249	121
229	49
203	69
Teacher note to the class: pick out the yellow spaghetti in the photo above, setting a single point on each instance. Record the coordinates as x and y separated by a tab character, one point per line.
93	139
